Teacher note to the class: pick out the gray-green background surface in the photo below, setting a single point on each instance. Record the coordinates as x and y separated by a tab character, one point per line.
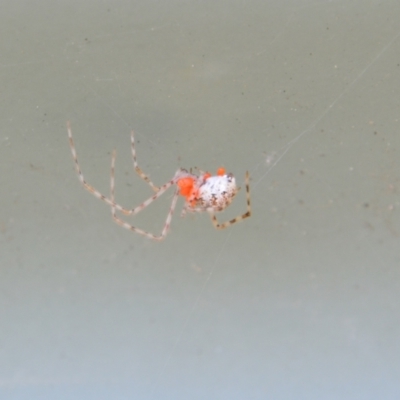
301	301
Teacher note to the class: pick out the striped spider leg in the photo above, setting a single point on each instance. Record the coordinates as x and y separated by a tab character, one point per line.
111	201
142	206
202	192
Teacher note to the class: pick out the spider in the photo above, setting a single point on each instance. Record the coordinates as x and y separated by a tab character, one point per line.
202	192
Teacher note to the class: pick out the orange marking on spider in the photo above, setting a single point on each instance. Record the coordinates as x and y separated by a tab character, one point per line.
202	192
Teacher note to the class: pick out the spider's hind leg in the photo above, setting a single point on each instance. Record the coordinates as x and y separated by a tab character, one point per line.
239	218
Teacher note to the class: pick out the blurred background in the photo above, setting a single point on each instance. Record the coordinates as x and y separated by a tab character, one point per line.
301	301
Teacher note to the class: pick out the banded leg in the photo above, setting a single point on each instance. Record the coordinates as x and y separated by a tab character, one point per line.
132	228
95	192
137	168
239	218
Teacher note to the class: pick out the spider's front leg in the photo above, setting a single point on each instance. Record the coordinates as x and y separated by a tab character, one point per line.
138	170
142	206
98	194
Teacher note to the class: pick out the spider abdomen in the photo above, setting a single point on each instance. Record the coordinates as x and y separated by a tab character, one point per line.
217	191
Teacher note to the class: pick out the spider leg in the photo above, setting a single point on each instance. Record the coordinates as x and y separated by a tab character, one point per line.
99	195
88	187
132	228
239	218
137	168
